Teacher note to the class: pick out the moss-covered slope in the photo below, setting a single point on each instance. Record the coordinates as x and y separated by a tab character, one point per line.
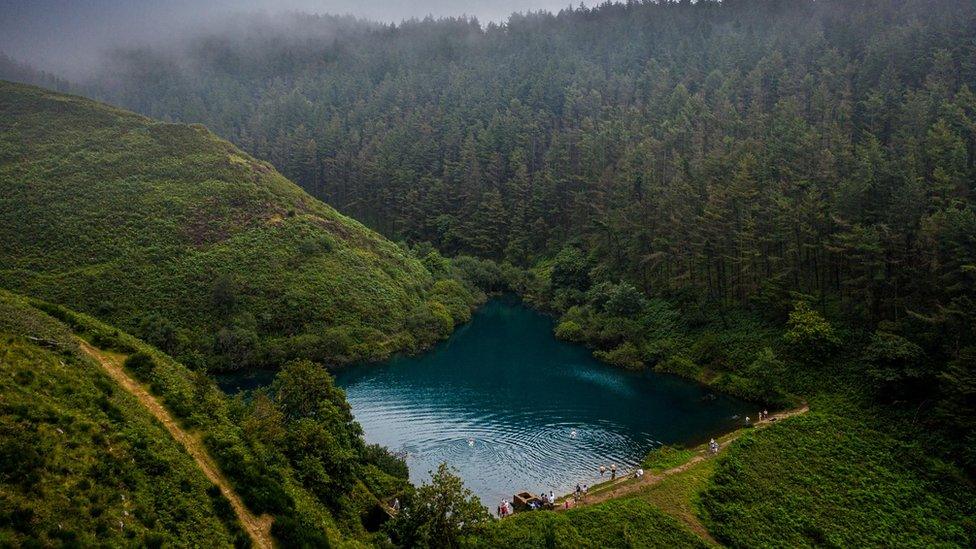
174	234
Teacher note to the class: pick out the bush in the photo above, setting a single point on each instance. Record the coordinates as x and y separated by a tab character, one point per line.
142	365
666	457
429	322
570	270
386	461
484	274
809	334
292	531
455	297
440	514
569	330
625	300
679	365
828	480
893	359
626	355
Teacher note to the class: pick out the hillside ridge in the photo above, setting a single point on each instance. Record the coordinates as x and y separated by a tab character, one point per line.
179	237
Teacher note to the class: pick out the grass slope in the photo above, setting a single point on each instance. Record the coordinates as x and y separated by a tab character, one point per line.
623	523
174	234
830	480
81	462
233	430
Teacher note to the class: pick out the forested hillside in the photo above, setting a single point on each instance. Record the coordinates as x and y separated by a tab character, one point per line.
207	253
739	191
732	148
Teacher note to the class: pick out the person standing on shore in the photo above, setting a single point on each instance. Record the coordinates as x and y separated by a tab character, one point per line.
613	471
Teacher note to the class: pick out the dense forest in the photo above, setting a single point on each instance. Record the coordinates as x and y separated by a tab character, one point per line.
792	158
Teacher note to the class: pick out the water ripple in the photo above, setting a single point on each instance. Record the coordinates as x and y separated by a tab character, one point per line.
513	409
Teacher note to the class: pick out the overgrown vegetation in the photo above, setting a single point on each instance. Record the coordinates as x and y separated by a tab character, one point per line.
292	451
827	480
620	523
175	235
81	462
440	513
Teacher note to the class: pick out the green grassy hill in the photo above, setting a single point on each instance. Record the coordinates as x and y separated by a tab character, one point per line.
294	454
175	235
81	462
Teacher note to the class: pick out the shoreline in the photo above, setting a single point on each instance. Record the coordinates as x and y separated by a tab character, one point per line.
626	483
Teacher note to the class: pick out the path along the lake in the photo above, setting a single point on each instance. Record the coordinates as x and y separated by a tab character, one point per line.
626	484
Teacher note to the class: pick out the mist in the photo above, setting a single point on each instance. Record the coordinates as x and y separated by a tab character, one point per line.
70	38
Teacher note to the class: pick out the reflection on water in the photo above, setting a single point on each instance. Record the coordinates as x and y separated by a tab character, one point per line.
514	409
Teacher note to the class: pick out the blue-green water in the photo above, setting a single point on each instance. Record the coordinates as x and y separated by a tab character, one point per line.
515	409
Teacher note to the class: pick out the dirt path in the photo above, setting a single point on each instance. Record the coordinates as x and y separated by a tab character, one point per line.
626	484
258	528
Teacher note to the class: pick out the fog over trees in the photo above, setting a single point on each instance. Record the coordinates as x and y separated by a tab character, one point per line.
71	38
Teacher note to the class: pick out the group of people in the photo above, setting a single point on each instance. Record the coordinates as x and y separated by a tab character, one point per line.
613	470
547	501
763	416
580	493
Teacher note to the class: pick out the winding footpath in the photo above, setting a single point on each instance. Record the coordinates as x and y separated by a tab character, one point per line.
257	528
626	484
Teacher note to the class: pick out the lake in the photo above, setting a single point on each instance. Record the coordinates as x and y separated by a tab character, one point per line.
513	408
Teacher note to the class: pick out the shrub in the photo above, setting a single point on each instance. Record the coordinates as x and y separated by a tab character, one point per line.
626	355
625	300
484	274
893	359
440	514
570	270
142	365
666	457
291	531
767	371
569	330
809	334
679	365
386	461
455	297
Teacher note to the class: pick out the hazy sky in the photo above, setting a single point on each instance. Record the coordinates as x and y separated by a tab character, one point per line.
65	36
